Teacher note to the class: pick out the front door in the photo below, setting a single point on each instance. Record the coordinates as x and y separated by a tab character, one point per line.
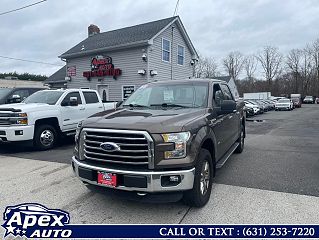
219	123
103	91
71	115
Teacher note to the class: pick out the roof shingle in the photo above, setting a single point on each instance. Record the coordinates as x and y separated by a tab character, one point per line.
123	36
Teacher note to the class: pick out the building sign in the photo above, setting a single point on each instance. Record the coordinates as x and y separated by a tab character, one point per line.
102	66
71	71
127	91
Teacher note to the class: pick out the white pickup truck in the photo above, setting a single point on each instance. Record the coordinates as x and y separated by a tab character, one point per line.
46	115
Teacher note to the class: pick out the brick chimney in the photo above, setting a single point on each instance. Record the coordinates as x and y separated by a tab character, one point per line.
93	29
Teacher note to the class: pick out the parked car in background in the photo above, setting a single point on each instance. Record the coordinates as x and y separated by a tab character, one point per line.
260	106
48	114
249	111
317	100
253	106
296	99
308	99
284	104
16	95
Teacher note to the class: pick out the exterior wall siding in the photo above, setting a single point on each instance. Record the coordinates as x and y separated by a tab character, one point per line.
128	60
164	68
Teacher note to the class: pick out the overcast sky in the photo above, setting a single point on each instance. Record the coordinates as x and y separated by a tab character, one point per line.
216	27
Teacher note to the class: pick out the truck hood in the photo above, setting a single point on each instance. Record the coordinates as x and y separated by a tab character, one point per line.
153	121
30	107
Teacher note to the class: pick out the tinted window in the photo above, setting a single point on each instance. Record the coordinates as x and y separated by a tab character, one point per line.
90	97
217	95
66	100
22	93
227	92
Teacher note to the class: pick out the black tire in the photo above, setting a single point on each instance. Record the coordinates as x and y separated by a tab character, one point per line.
241	141
45	137
198	197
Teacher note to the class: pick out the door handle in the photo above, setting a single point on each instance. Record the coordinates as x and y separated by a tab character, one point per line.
82	108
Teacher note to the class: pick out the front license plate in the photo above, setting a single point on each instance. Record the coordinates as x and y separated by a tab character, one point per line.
108	179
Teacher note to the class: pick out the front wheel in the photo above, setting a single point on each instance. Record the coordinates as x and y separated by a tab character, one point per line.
44	137
204	173
241	140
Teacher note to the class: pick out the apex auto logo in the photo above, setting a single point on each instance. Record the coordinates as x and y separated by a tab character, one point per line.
33	220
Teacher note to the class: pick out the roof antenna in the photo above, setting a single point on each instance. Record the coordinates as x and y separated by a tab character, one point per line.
176	8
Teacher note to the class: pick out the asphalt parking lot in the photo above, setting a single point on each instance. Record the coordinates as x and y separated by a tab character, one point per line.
275	180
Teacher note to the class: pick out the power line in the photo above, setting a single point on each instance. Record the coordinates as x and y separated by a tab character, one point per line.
176	7
25	60
17	9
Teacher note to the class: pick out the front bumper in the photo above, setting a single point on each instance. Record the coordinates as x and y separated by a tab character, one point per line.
16	133
153	178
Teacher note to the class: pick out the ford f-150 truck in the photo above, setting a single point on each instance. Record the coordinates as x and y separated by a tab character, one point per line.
168	138
48	114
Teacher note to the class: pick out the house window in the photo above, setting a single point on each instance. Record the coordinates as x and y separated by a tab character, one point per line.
180	55
166	50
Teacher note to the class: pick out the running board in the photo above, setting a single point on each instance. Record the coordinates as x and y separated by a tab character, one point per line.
223	160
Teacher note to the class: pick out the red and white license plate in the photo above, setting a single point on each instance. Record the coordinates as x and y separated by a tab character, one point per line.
108	179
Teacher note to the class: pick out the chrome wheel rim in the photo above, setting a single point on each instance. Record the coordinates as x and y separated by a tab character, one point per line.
205	178
47	138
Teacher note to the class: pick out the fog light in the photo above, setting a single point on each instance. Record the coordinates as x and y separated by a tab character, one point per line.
18	132
170	181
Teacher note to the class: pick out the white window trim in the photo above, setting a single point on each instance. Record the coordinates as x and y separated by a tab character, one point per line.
170	50
123	90
181	55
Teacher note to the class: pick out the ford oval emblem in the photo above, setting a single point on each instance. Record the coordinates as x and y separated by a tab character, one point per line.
109	147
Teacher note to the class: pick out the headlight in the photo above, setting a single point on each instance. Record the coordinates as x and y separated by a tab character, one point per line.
19	119
78	130
180	140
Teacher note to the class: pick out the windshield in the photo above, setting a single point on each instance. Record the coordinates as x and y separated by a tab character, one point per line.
4	92
48	97
284	101
190	95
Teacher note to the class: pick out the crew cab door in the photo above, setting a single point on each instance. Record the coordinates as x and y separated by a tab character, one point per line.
71	115
92	103
219	122
233	119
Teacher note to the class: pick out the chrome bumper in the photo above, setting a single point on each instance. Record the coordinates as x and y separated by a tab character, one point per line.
153	178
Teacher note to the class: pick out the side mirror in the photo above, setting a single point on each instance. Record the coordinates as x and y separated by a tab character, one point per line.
227	106
118	104
74	101
14	99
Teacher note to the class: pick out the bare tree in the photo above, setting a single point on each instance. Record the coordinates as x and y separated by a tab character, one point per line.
233	64
270	60
293	62
250	65
210	67
315	56
307	68
206	67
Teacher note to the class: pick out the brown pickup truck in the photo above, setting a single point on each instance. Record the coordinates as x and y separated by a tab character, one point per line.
167	139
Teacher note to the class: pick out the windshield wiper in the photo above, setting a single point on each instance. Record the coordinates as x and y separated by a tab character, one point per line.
169	105
135	105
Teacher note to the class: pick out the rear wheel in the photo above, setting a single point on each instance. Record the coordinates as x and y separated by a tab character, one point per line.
204	172
45	137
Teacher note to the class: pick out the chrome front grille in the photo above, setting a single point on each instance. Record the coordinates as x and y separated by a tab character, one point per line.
136	147
5	118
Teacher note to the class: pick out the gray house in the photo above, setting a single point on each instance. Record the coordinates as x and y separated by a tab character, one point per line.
57	79
117	62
